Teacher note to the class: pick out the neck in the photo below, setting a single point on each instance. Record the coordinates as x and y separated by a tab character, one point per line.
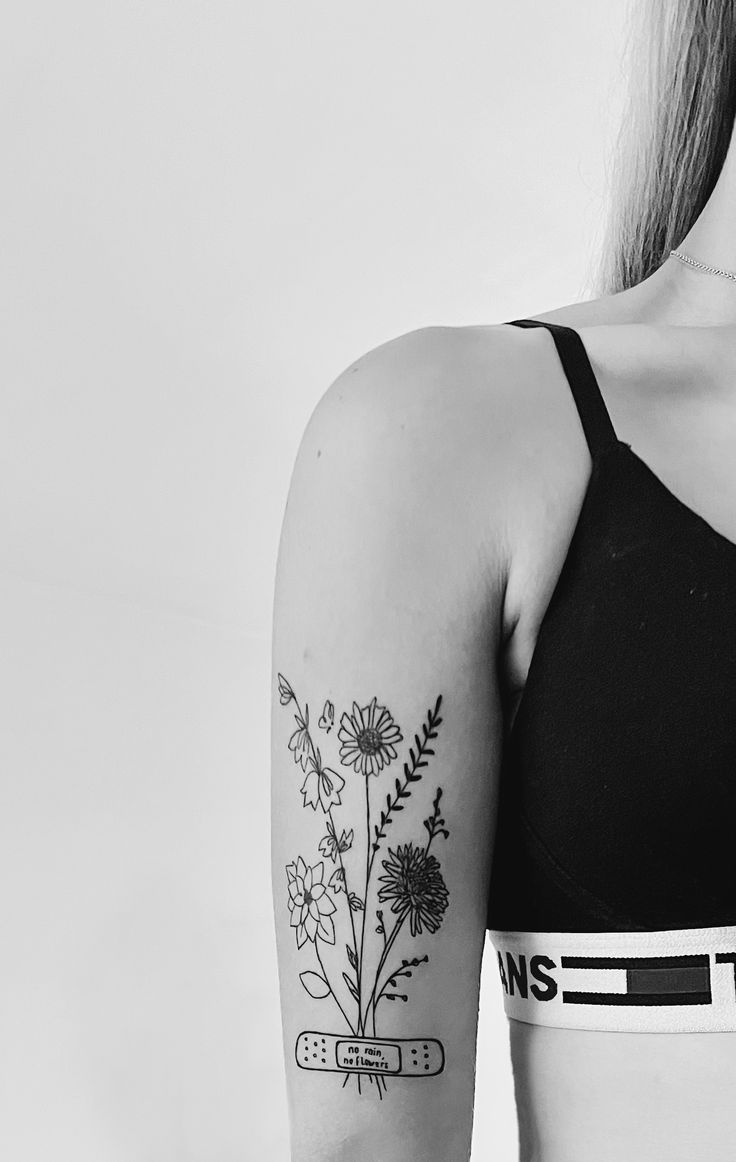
679	295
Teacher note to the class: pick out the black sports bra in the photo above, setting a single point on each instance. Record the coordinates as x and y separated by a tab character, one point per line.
614	869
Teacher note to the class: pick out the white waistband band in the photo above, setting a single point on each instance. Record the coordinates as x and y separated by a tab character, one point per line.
668	981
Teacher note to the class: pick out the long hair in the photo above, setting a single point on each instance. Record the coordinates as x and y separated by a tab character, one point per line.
674	135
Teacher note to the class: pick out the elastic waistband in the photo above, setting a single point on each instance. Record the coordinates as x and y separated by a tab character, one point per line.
667	981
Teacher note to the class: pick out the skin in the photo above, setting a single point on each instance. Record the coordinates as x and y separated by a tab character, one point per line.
432	503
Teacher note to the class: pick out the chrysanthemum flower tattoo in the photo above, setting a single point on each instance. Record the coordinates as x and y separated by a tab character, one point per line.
411	883
414	887
369	738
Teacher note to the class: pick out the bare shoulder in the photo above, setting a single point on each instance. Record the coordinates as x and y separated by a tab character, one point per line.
470	363
455	453
462	409
435	378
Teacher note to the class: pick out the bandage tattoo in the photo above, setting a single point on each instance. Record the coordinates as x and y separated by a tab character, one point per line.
327	913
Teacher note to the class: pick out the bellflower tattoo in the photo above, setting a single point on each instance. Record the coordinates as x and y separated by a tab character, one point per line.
405	878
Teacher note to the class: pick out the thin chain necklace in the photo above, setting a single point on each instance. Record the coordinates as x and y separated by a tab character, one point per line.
702	265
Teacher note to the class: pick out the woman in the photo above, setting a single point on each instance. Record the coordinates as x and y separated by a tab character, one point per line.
505	641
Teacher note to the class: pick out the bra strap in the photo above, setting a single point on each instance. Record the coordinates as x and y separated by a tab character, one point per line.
599	431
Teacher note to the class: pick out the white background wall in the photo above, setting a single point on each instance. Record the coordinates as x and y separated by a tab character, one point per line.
208	210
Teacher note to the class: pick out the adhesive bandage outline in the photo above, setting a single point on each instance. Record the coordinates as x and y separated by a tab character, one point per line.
398	1057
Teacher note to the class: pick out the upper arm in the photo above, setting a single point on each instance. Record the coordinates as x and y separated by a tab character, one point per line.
386	744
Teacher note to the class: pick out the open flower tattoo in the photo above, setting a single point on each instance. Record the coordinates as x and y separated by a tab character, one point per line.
369	737
411	887
310	906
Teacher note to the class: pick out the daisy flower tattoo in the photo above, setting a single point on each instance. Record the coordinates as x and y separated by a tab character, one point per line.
369	738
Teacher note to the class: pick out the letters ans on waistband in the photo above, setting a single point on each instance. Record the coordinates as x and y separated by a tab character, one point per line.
667	981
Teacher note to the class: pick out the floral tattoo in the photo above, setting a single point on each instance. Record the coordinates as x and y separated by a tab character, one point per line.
411	888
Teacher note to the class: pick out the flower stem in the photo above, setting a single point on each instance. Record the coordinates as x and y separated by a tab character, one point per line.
313	749
368	865
332	991
384	957
347	888
400	971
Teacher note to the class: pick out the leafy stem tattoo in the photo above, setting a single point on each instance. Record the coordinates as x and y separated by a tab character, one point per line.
321	787
412	886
